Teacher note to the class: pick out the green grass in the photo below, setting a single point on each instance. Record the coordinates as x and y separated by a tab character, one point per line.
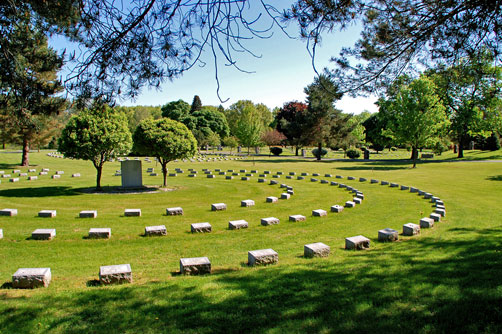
445	280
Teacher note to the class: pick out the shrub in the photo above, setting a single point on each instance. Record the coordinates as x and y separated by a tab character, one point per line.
316	154
353	154
276	150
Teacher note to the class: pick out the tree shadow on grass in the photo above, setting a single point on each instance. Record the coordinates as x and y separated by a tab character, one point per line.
39	192
4	165
494	178
396	289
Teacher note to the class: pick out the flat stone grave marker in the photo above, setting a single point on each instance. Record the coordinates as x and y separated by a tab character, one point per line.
336	208
192	175
404	187
292	173
47	213
441	212
315	174
272	199
59	172
75	175
45	170
297	218
435	216
195	266
434	199
32	178
100	233
218	207
291	192
262	180
1	233
174	174
319	213
317	249
411	229
313	180
341	185
229	177
285	196
276	176
289	177
43	234
154	174
324	181
201	228
23	174
242	171
357	200
5	175
388	234
222	173
210	176
428	196
119	273
351	178
384	183
272	182
29	278
426	222
176	211
155	230
333	183
262	257
132	212
8	212
421	192
394	185
247	202
350	204
413	190
339	177
328	175
88	214
360	195
32	170
245	178
237	224
235	174
300	178
279	173
56	176
373	181
266	172
358	242
362	179
440	202
16	179
269	221
16	171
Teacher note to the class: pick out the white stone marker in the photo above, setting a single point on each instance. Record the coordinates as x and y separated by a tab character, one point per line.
388	234
43	234
357	200
1	233
6	175
176	211
324	181
14	179
411	229
200	227
300	178
384	183
23	174
336	208
269	221
313	180
218	207
262	180
328	175
47	213
237	224
297	218
317	249
413	190
435	216
373	181
285	196
262	257
319	213
100	233
29	278
88	214
155	230
350	204
404	187
75	175
16	171
32	178
59	172
351	178
360	195
339	177
120	273
245	178
394	185
428	196
56	176
357	242
272	199
132	212
426	222
362	179
32	170
210	176
229	177
8	212
247	202
195	266
440	211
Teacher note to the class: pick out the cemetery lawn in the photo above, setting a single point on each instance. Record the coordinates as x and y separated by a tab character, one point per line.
445	280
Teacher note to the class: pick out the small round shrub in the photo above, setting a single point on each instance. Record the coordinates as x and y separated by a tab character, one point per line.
316	154
353	154
276	150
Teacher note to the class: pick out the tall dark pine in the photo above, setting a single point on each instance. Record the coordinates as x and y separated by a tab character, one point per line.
28	81
196	104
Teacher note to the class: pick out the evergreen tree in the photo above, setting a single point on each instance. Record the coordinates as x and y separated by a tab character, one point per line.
196	104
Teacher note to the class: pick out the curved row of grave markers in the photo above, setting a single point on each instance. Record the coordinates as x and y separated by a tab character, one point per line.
34	277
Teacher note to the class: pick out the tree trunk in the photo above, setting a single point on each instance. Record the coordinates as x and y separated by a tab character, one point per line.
319	148
164	172
460	147
414	153
99	170
26	150
297	149
248	150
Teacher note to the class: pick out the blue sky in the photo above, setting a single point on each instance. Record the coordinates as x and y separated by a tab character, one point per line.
279	75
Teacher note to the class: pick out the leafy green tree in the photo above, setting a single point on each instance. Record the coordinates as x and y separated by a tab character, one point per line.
322	119
419	117
196	104
231	142
166	140
374	128
242	108
28	81
249	129
470	90
136	114
97	134
212	120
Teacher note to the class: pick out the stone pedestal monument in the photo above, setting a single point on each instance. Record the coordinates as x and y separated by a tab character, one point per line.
131	173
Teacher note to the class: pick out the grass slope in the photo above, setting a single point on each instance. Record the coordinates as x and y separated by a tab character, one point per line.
445	280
